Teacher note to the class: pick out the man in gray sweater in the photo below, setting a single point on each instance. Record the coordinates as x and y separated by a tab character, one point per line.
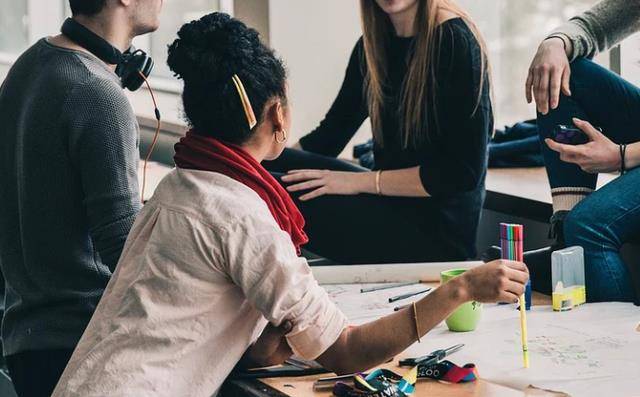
68	188
570	90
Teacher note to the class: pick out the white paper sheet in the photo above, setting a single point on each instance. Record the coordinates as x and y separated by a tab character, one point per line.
361	308
386	273
593	350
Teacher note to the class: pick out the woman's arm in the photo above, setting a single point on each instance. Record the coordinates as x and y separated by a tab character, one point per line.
271	348
402	183
456	160
363	347
456	165
632	159
601	27
600	154
282	287
586	35
345	115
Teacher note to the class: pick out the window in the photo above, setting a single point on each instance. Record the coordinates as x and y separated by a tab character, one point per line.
631	59
14	33
24	22
513	30
174	14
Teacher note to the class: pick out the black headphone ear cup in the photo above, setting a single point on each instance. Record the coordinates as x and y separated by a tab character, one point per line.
129	70
148	66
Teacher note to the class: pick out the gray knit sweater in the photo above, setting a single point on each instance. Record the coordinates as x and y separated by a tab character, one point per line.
600	28
68	192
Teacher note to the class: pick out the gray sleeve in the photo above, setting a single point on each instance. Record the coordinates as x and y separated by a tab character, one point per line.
103	147
602	27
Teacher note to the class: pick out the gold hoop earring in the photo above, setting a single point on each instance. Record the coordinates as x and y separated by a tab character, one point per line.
284	136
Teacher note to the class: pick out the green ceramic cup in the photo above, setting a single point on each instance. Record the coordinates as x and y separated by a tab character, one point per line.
467	316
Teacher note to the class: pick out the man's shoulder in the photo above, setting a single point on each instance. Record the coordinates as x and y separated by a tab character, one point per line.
97	93
67	73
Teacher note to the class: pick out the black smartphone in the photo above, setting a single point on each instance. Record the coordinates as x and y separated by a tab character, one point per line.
569	135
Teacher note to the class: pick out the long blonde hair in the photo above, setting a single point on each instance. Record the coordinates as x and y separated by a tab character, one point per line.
377	30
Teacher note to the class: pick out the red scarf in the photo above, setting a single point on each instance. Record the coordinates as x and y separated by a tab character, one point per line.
209	154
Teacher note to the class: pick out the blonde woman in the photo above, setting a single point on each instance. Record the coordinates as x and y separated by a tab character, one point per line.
420	74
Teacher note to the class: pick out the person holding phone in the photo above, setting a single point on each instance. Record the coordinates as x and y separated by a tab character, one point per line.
420	74
579	101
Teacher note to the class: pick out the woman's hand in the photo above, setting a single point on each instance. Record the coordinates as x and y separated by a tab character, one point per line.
548	74
599	155
322	182
497	281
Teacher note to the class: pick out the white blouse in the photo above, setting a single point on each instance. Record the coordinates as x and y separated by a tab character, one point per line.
204	268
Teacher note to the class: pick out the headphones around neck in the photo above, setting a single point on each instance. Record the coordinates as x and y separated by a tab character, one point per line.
129	65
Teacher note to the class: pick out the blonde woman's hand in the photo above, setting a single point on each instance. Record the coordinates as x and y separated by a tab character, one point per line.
549	73
322	182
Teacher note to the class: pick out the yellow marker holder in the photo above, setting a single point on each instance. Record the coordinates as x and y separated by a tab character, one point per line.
569	298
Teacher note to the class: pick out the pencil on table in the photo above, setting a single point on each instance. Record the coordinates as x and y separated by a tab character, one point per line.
523	327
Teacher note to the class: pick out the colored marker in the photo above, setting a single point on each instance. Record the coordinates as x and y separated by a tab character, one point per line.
511	239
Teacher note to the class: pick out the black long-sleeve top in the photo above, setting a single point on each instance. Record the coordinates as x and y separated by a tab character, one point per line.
453	161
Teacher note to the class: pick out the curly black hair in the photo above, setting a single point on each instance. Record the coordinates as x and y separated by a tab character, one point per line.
206	54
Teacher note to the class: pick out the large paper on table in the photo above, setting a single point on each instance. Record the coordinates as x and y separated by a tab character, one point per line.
386	273
593	350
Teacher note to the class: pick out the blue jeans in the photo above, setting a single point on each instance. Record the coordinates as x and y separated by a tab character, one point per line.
609	217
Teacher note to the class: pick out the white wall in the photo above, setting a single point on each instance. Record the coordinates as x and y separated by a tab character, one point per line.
315	39
631	59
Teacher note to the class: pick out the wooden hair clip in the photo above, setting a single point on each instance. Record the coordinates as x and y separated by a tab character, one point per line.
246	104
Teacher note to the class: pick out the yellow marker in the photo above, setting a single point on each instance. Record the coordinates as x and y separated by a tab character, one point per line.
523	326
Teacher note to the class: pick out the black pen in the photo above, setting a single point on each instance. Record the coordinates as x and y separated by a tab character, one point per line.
409	295
431	358
328	383
388	286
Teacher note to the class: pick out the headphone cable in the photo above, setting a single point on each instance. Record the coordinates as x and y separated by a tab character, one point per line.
155	136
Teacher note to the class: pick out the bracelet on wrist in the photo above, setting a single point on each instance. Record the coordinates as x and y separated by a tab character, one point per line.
623	165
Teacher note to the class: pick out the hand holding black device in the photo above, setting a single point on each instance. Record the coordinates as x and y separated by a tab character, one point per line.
569	135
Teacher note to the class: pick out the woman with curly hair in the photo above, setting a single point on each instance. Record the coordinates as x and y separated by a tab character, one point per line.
213	256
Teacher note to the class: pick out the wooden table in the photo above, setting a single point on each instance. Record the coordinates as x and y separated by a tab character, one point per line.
521	192
303	386
524	192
